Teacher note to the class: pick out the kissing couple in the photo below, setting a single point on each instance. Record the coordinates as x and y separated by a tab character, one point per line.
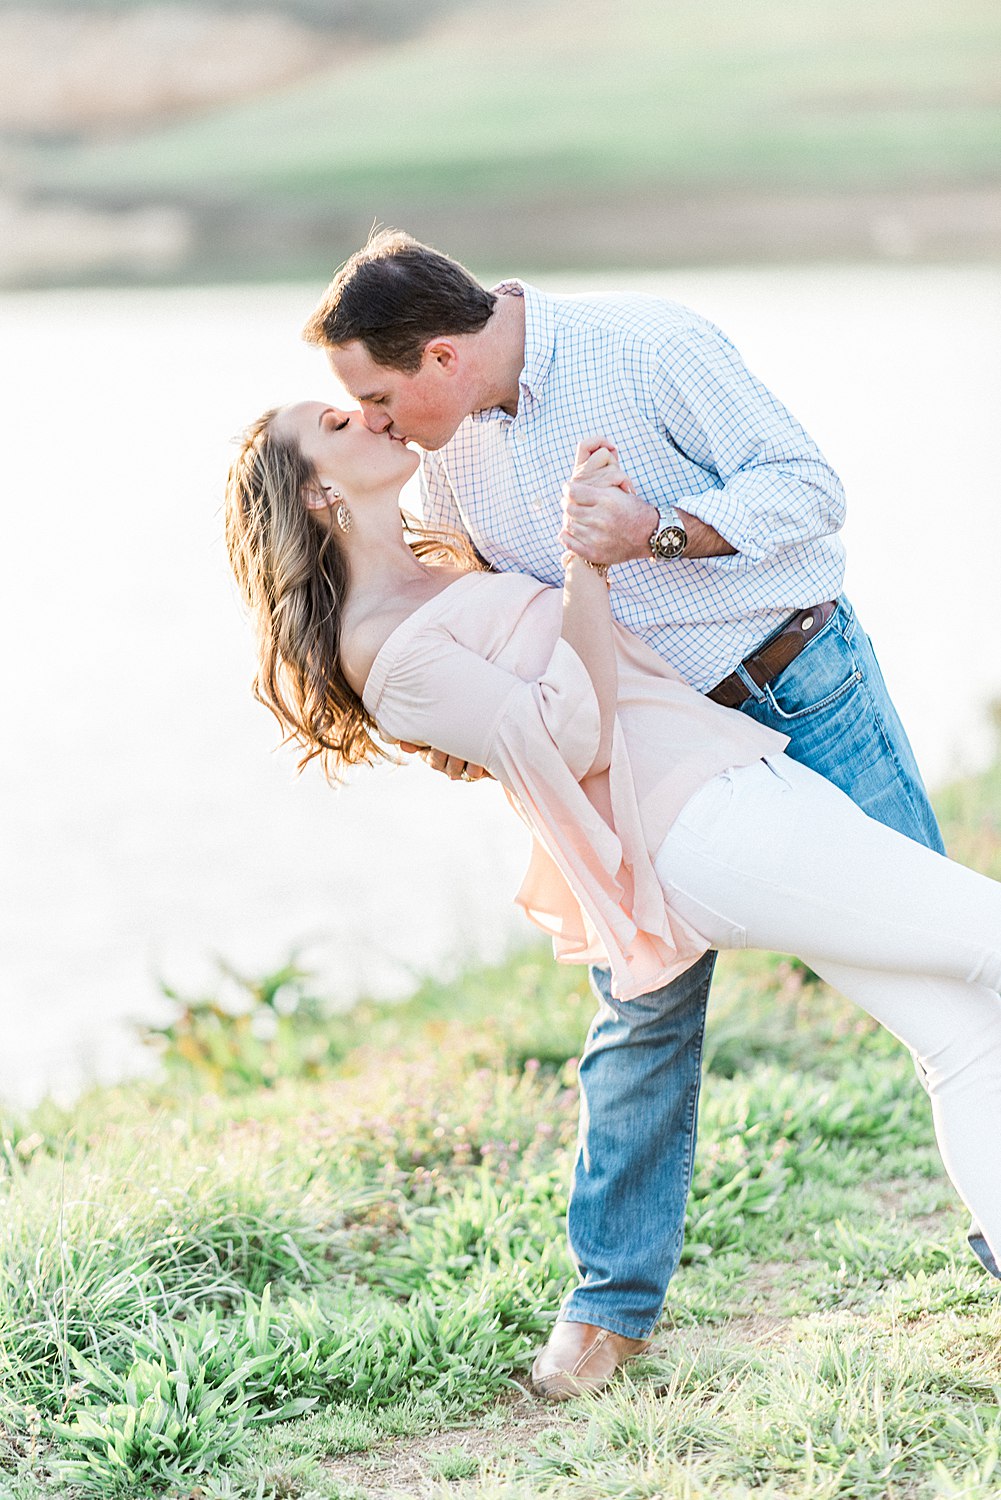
624	604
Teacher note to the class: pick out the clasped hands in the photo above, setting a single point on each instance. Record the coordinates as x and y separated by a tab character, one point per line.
602	518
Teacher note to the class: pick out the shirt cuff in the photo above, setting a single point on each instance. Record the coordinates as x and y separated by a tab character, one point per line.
726	514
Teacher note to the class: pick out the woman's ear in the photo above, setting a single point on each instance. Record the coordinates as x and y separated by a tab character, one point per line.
319	498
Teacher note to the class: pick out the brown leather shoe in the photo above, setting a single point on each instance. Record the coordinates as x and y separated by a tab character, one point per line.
580	1357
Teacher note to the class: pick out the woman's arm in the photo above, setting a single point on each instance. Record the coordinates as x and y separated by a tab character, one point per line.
587	627
587	616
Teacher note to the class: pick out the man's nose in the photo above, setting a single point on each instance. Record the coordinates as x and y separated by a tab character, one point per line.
376	420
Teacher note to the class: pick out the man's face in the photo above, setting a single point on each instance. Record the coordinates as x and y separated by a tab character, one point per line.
425	408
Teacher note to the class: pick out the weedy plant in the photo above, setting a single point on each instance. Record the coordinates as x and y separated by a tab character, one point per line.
160	1422
248	1035
317	1237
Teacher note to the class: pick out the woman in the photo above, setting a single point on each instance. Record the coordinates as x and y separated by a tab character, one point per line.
663	824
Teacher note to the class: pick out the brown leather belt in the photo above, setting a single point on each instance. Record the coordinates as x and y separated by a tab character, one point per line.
771	658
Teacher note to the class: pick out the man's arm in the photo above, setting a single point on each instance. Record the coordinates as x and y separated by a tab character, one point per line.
613	526
768	486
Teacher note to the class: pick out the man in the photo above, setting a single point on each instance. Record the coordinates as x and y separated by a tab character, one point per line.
727	561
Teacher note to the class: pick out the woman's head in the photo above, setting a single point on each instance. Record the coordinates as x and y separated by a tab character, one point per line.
297	466
345	454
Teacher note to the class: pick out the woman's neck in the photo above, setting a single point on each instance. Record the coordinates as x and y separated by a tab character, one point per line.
384	563
387	583
386	576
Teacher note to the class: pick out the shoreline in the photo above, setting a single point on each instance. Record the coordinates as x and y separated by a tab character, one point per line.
53	242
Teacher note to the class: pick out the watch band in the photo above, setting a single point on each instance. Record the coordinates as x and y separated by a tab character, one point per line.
669	538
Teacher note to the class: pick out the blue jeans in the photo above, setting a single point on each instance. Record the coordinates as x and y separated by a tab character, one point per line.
640	1070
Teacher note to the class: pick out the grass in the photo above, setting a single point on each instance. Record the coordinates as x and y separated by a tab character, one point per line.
289	1271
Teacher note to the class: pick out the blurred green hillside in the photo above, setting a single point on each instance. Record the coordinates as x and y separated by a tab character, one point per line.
548	135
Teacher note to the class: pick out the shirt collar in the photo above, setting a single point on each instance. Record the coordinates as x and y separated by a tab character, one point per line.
540	337
539	344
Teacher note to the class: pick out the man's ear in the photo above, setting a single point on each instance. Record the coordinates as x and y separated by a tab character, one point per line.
444	353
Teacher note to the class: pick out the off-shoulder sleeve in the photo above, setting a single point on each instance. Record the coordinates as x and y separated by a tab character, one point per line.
436	691
590	885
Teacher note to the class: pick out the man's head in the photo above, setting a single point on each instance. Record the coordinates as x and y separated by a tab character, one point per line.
395	323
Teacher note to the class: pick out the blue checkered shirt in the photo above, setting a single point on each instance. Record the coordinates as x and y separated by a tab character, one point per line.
694	428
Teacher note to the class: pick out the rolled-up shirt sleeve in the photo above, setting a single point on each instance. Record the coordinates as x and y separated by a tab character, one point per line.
770	486
439	693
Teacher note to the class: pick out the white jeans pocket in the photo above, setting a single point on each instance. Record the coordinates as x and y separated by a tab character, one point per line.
684	858
718	930
704	808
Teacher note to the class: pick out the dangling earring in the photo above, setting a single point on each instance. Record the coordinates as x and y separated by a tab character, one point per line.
342	515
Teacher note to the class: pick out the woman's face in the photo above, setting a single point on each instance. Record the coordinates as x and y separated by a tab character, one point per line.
347	455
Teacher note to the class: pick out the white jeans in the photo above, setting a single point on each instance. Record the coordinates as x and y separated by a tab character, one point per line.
773	856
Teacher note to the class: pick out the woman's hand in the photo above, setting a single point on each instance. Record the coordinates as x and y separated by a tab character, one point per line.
597	462
604	520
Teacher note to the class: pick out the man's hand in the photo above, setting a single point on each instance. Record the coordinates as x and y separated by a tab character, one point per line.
455	770
604	520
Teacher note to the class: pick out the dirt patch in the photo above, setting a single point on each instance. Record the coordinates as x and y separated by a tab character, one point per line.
896	1198
686	1345
404	1467
765	1287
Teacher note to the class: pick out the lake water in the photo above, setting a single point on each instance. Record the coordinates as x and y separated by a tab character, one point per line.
149	825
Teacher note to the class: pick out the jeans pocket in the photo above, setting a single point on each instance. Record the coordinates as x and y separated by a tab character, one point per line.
704	808
718	930
824	671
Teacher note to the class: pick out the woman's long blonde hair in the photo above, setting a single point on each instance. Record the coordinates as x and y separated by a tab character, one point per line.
293	576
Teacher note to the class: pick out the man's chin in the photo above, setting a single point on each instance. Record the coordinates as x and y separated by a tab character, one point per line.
434	440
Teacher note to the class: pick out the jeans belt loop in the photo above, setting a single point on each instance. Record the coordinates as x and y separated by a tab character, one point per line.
747	681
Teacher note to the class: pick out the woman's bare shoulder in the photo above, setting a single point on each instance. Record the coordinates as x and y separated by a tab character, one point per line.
365	632
361	641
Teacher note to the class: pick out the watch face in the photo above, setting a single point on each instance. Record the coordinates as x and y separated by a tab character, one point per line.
669	542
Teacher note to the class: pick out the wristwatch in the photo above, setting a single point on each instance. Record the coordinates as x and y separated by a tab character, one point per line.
669	538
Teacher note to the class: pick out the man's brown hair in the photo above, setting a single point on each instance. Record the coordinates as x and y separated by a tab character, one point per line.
393	296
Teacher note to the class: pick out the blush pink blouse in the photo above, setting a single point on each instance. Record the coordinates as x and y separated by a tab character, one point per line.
482	672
